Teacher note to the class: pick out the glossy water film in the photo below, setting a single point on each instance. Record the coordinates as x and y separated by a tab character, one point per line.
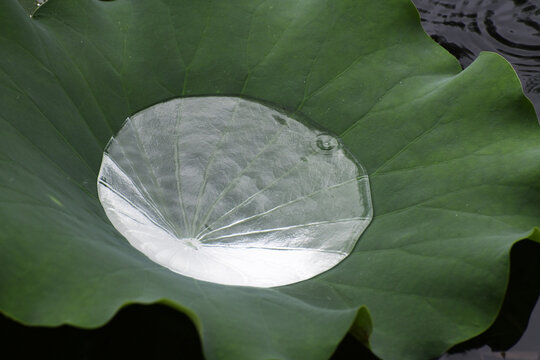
230	191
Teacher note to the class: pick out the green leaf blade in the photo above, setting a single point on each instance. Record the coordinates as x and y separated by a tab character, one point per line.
452	158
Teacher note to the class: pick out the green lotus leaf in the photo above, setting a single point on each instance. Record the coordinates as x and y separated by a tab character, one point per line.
453	159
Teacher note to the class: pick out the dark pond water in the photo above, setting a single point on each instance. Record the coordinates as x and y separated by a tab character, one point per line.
512	29
508	27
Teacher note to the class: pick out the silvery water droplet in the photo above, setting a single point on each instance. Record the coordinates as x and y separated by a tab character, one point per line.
230	191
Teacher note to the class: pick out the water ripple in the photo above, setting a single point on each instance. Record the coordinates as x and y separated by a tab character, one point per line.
510	28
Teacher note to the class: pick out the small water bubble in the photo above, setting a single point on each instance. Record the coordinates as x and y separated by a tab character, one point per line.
326	142
280	120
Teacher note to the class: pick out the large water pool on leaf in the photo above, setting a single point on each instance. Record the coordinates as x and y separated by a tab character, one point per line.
231	191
